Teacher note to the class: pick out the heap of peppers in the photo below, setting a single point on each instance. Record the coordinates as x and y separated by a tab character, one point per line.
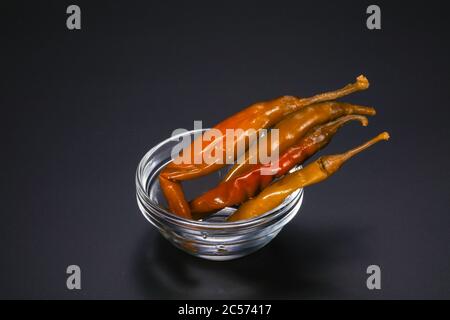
306	125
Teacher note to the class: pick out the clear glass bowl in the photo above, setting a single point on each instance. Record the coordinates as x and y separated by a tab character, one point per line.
212	238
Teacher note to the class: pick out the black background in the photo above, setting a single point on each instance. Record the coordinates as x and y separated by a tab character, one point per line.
80	108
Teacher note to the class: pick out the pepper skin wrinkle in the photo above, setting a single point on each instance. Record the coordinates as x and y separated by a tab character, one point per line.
254	118
240	189
315	172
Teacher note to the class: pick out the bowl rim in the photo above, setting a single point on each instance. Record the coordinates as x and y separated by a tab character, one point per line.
163	213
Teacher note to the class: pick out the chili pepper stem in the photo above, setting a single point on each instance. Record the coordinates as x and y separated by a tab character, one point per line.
331	164
362	83
339	122
382	136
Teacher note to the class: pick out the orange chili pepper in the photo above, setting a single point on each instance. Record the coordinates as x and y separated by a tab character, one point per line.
315	172
172	191
255	117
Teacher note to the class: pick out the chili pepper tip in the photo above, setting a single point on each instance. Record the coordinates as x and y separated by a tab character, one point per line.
362	82
385	135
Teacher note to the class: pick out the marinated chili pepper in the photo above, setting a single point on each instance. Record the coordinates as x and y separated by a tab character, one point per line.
240	189
255	117
293	128
172	191
317	171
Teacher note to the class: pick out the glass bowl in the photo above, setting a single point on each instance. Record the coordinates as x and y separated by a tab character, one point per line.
212	238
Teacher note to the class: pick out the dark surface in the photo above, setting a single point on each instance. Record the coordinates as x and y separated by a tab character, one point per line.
80	108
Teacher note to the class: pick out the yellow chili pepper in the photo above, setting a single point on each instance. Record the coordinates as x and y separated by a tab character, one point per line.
315	172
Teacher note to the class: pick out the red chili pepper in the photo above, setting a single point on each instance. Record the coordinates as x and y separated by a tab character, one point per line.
247	185
293	127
